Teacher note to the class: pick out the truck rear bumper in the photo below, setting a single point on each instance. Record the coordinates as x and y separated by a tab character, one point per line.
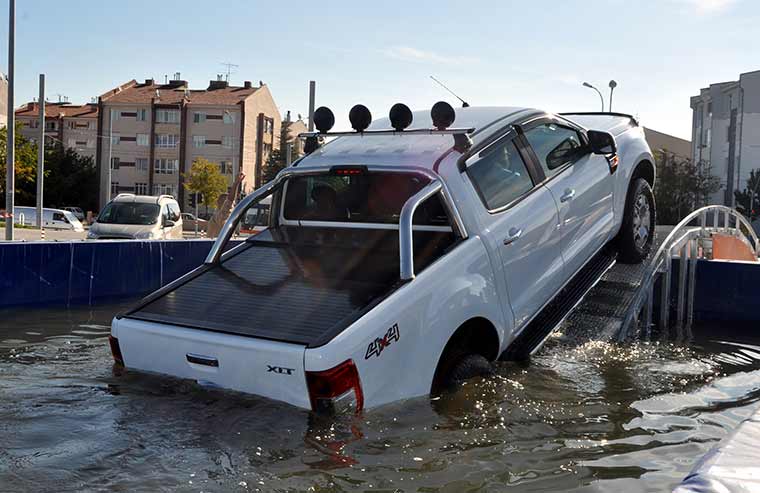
270	369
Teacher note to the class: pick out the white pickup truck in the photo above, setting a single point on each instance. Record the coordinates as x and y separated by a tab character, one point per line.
400	261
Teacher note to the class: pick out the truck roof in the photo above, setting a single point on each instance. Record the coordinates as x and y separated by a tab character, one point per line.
413	149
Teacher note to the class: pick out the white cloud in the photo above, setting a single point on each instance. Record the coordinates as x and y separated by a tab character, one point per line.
409	54
709	6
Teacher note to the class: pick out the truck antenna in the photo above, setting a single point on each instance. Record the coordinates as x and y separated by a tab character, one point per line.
465	104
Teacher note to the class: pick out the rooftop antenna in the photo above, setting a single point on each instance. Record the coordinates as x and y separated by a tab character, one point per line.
229	66
166	78
465	104
60	97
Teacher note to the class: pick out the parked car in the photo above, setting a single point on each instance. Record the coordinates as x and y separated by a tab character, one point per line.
256	219
78	212
141	217
189	222
396	264
52	218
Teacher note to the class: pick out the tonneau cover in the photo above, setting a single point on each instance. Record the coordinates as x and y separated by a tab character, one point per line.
297	285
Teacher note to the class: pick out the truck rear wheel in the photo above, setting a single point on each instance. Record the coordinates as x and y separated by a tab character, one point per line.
464	368
637	232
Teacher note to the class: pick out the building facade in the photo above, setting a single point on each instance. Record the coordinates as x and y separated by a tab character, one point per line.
153	133
726	133
74	126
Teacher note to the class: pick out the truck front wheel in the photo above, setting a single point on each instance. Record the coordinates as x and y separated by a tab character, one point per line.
637	232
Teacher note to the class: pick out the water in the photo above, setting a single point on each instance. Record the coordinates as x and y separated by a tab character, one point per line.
583	416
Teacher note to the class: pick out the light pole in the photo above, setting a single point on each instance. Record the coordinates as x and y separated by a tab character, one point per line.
613	85
601	98
11	149
110	154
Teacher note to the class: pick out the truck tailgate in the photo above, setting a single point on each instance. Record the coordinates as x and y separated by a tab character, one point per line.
266	368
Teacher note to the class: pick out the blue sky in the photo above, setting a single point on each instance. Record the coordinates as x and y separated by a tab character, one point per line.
491	52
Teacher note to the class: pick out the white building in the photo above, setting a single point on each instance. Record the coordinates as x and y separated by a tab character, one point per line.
726	132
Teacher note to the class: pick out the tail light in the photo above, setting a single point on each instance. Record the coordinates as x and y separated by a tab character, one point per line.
336	390
116	350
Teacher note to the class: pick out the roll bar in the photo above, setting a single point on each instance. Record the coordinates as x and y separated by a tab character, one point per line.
406	245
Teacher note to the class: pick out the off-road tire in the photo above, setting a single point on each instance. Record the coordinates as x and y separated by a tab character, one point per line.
637	232
464	368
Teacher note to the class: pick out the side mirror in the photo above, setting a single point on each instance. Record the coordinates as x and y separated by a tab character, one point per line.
168	223
601	142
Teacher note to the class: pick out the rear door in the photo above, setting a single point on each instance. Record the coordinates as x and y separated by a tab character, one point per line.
581	184
520	221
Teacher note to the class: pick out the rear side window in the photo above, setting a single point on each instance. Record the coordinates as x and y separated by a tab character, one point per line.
555	146
365	198
501	176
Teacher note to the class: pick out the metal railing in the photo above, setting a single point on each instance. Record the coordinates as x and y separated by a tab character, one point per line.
687	242
406	229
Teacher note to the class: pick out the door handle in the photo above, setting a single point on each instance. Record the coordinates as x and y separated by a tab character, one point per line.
568	195
514	235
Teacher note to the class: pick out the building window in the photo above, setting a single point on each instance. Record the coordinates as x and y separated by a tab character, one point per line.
141	188
166	140
33	123
199	140
114	187
115	162
51	125
167	116
164	189
166	166
115	139
115	114
199	117
90	143
227	141
267	150
228	118
142	115
141	164
225	167
72	143
142	139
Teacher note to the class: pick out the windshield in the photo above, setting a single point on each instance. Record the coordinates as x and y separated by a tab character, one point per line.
129	213
365	198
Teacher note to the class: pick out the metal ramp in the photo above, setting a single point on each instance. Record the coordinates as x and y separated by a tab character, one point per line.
622	303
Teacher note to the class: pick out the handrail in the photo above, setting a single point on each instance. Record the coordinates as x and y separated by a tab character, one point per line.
406	254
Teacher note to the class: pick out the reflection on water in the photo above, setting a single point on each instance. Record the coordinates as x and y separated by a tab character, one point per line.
583	416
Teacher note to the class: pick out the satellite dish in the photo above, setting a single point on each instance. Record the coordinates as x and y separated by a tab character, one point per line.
360	117
400	116
443	115
323	119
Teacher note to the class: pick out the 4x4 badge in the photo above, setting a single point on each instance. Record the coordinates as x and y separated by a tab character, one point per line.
376	347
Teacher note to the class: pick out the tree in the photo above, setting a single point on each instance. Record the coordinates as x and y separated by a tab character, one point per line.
206	179
25	165
681	186
744	198
70	179
274	164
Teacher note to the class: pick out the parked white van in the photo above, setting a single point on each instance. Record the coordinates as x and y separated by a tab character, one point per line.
140	217
51	218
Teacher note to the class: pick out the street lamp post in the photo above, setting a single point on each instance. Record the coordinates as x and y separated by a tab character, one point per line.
10	159
601	98
613	85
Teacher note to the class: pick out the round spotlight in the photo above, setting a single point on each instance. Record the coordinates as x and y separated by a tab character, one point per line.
400	116
360	117
443	115
324	119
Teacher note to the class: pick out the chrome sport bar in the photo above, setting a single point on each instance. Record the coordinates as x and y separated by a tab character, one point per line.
406	252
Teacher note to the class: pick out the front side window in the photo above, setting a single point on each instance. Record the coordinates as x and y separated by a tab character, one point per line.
555	146
500	176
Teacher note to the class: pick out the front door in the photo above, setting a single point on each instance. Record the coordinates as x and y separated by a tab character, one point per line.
581	185
520	225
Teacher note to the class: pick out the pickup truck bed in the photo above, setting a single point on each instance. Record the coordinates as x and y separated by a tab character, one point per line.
293	284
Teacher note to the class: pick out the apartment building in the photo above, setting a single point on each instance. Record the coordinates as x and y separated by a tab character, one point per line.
157	131
74	126
726	132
